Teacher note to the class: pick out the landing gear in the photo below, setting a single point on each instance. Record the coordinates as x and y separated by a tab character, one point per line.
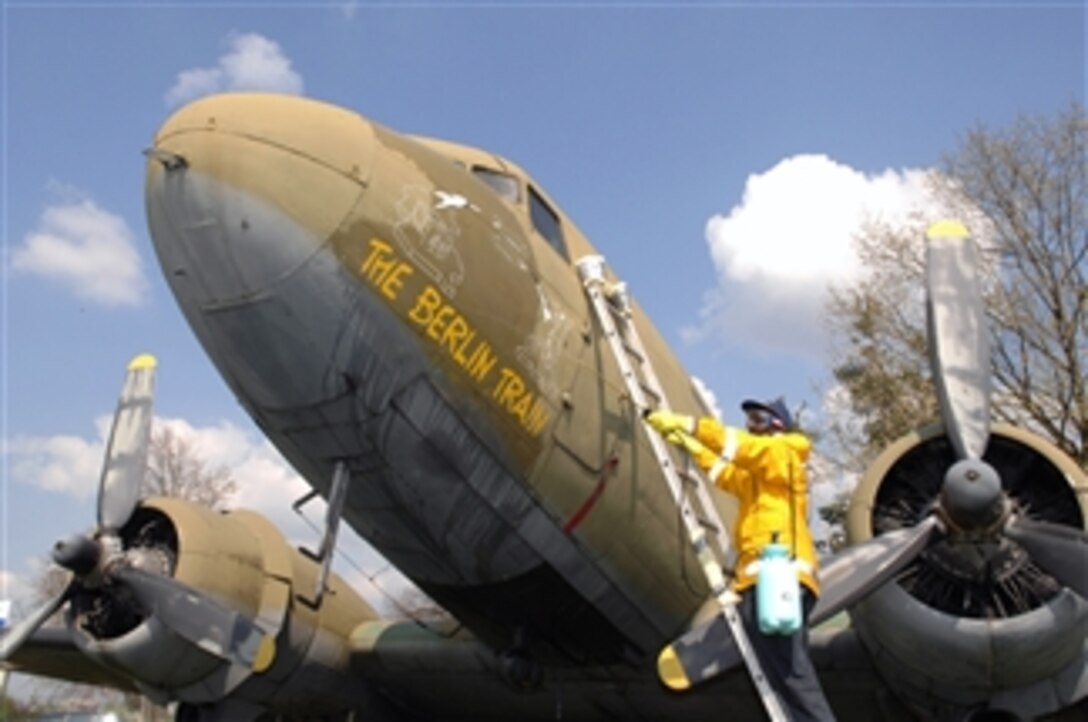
521	671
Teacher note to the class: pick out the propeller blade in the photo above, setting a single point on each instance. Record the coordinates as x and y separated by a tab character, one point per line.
126	454
1061	551
856	572
10	642
703	652
959	344
200	619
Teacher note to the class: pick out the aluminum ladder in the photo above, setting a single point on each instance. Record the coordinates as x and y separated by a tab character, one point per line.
708	535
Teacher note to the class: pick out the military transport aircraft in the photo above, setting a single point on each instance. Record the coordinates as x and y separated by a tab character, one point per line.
410	322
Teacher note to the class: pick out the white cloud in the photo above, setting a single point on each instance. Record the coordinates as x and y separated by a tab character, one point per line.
790	237
88	249
838	415
252	62
708	396
72	464
193	84
63	463
13	588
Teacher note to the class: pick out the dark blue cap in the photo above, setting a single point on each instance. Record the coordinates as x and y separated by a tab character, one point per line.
776	408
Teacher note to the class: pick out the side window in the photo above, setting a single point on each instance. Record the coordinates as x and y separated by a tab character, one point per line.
503	184
546	223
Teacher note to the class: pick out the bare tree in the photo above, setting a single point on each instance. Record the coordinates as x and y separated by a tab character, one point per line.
1031	183
52	581
175	468
1025	194
834	515
879	327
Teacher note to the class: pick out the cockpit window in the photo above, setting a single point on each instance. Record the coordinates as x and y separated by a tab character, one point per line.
546	222
502	183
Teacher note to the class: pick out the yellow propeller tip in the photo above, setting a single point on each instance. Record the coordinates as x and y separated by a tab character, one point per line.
947	228
142	362
671	671
266	654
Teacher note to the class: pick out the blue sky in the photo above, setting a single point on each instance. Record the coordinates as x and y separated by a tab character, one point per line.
719	155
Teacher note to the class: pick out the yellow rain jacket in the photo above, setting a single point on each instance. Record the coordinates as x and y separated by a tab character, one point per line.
767	474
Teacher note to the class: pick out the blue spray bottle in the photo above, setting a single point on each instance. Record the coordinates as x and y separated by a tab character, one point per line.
778	591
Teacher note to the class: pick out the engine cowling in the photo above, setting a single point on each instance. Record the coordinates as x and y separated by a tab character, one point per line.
973	626
240	559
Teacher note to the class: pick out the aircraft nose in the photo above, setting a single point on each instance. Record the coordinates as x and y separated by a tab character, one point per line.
243	188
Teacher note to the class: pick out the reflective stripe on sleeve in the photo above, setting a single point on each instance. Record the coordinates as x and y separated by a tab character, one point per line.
728	449
717	469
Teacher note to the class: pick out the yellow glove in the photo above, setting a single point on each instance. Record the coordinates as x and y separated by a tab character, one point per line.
703	456
666	422
687	442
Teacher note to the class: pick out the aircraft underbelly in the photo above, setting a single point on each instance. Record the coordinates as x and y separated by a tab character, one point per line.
429	490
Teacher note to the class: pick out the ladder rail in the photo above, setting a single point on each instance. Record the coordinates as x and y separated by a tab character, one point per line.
659	446
628	346
700	485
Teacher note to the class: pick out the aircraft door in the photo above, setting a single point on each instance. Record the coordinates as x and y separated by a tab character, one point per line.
584	476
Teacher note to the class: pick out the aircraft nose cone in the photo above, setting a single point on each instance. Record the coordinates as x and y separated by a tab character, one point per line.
242	189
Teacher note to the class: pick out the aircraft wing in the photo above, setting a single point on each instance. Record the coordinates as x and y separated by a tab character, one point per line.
465	680
457	679
454	677
50	652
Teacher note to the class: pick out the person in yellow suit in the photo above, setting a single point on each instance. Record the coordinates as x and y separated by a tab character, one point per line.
763	466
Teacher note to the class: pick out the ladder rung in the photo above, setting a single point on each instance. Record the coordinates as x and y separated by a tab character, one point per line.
623	314
650	391
634	352
689	478
622	324
708	524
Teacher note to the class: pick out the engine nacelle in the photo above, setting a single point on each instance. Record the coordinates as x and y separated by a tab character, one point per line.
973	626
240	559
